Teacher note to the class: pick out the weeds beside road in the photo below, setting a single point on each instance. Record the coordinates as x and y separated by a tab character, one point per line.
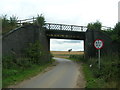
17	68
16	75
106	77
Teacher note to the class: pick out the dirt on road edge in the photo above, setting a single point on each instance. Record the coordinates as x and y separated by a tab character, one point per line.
81	79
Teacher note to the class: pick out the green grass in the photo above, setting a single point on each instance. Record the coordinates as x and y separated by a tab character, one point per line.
91	81
16	69
18	75
105	77
0	76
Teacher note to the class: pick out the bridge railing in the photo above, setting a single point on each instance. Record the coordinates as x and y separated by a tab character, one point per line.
30	20
104	28
53	26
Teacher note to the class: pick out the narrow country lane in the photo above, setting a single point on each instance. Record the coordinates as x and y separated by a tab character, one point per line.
63	75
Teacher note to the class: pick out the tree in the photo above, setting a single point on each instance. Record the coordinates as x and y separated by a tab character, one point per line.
8	24
5	21
69	50
94	26
117	35
13	21
40	20
117	32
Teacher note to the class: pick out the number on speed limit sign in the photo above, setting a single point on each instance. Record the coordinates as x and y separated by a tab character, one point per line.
98	43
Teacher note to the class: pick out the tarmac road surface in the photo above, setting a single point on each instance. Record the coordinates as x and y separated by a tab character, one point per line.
63	75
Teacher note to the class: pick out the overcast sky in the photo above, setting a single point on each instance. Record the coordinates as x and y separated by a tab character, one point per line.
76	12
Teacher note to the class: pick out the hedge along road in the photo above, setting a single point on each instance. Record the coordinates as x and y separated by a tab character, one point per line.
64	75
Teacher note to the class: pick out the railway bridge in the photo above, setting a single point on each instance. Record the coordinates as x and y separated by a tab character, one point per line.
18	38
62	31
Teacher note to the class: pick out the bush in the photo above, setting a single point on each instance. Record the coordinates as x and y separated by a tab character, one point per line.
108	73
40	21
34	51
24	63
8	62
78	58
34	54
94	26
8	24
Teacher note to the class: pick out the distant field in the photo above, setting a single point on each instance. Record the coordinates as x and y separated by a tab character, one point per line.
65	54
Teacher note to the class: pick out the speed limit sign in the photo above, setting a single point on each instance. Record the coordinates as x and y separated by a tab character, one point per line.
98	43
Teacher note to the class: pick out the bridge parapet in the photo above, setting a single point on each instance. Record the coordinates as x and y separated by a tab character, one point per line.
64	27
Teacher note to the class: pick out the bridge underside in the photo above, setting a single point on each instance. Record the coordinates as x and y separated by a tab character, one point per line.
60	34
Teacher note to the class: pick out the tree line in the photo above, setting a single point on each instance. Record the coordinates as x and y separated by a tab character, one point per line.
10	23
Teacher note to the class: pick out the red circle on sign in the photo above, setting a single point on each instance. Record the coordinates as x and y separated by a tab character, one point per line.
101	43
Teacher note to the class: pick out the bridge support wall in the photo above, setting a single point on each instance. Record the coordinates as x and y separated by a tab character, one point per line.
19	39
91	36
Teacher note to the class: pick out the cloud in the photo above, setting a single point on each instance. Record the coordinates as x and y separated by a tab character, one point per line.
64	45
79	12
76	12
63	41
72	41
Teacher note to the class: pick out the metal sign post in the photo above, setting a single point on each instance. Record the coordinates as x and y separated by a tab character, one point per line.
98	44
99	58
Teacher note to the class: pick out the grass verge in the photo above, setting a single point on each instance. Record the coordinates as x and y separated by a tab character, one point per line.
91	81
105	77
17	75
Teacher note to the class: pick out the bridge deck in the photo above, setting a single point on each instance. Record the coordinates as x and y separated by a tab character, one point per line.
64	27
65	34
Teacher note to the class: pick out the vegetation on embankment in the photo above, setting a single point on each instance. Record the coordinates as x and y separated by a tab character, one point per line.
19	67
31	60
16	75
114	33
105	77
108	76
10	23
